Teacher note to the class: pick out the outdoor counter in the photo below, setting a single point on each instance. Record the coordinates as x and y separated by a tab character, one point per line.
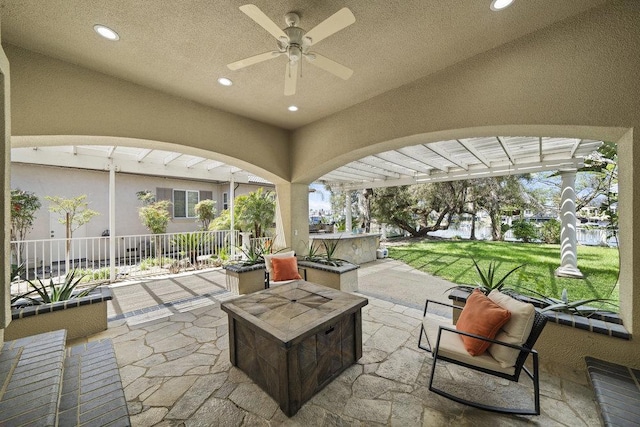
355	248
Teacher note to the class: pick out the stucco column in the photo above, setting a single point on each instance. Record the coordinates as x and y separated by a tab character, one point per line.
348	226
5	174
568	239
293	206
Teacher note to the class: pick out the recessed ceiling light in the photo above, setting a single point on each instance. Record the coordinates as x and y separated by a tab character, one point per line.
106	32
292	108
225	81
500	4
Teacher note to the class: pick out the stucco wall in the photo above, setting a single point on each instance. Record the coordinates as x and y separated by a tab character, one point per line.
5	173
70	100
580	72
56	181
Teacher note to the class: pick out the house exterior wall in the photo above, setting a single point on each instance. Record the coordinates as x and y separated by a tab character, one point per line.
56	181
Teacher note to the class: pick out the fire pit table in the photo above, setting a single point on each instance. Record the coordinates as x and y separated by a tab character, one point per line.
293	339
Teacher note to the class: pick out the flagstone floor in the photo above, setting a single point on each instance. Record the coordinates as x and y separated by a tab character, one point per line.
171	343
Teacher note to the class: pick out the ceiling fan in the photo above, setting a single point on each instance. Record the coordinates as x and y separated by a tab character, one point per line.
295	43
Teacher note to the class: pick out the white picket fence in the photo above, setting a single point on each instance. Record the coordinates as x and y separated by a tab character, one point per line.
133	255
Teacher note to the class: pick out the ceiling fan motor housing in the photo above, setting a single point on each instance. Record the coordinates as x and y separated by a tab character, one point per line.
296	47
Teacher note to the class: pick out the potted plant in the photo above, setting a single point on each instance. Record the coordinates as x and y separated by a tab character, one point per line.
247	275
59	306
325	269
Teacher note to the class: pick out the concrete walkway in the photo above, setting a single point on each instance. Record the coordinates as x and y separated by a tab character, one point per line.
171	343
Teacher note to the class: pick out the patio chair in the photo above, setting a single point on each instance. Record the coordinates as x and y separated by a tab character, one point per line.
445	343
290	267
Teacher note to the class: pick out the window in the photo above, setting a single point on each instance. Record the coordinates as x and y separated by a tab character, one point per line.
184	203
225	201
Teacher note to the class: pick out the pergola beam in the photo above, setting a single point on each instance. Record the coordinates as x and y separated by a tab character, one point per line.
476	153
506	150
406	152
445	155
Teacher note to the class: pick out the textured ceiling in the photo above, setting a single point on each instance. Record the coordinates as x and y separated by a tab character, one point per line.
183	47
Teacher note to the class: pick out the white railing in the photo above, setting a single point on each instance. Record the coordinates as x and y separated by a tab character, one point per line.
134	255
584	235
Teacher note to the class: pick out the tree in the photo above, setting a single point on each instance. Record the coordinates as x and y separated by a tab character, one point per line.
24	205
223	222
500	194
155	216
206	212
602	167
256	211
74	213
419	209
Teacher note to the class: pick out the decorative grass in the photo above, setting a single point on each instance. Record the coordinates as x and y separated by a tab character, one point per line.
452	260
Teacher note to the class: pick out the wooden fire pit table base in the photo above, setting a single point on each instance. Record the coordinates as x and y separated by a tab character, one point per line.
293	339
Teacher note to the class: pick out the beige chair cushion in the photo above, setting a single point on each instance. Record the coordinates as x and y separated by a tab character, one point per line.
515	331
451	346
267	259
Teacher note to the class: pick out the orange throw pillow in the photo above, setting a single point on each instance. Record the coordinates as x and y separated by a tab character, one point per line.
285	269
480	316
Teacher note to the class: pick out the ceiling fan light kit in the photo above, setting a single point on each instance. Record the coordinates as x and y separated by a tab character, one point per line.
295	43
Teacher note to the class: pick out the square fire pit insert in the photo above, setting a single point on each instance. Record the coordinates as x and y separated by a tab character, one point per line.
293	339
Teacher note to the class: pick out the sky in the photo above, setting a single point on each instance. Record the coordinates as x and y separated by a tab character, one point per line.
320	199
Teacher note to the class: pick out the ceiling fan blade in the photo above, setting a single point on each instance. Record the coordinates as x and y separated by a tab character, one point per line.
253	60
331	66
253	12
336	22
291	78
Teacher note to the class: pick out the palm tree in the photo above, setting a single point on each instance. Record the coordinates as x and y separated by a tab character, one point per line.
256	211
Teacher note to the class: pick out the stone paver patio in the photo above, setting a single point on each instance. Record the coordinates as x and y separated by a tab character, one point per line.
175	368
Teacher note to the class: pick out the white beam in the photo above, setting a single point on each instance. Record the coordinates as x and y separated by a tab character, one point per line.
214	164
170	158
144	153
445	155
110	151
506	150
191	163
430	165
62	159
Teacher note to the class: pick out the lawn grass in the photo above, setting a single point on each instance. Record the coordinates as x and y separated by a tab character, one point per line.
452	260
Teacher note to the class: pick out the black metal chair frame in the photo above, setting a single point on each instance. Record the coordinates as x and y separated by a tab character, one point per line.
525	350
267	280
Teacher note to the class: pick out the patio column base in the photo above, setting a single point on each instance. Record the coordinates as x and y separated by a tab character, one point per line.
569	271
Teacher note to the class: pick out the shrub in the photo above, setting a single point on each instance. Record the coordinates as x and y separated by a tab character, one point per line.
524	230
550	231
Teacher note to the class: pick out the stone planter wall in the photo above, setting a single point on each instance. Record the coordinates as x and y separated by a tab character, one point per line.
343	278
79	316
245	279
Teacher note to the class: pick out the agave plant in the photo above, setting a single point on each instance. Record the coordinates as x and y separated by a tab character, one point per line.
488	278
327	257
56	292
578	307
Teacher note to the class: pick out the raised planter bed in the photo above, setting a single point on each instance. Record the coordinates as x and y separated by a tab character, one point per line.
79	316
245	279
343	278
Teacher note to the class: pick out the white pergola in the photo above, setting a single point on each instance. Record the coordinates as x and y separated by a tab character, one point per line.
449	160
461	159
